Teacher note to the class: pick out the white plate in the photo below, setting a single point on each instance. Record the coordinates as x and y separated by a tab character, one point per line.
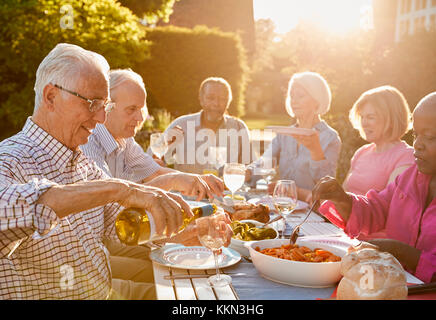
193	258
268	200
291	130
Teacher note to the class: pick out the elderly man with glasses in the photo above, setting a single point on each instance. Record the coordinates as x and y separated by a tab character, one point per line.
57	206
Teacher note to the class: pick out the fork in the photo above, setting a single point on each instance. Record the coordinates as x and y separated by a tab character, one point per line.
294	234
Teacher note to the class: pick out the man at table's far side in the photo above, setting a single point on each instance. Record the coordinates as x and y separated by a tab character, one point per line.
57	206
212	126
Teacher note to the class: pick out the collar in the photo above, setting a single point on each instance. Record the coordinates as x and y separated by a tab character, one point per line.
223	123
59	154
106	139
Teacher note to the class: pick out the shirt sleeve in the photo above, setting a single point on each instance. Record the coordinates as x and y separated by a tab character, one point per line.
20	215
425	270
95	153
328	166
368	214
244	146
139	165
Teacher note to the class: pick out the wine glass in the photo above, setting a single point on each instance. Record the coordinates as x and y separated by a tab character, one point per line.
158	144
211	232
285	199
234	176
265	167
216	158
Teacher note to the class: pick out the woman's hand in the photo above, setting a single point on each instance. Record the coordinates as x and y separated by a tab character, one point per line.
312	143
328	188
407	255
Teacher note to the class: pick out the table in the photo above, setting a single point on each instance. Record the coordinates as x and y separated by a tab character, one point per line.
250	286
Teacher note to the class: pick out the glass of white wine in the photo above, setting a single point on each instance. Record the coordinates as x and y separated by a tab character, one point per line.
158	144
285	199
266	167
234	176
211	232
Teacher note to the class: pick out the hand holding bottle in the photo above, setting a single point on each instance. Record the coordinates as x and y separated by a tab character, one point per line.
165	207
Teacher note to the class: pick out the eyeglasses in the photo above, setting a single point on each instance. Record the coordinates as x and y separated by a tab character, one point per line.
94	104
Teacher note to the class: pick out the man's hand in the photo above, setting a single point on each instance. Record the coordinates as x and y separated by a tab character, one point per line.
328	188
215	184
190	184
189	236
165	207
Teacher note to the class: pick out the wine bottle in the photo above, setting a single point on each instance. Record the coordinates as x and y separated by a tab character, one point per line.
135	227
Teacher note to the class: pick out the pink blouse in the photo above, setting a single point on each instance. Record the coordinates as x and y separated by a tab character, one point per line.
371	170
400	209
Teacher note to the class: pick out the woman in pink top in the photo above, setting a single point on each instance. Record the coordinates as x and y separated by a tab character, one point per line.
406	208
382	117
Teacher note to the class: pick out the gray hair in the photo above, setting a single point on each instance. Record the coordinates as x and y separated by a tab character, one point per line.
63	66
316	86
119	76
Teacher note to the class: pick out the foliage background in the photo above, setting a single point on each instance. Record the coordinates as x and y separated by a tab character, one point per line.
30	29
182	58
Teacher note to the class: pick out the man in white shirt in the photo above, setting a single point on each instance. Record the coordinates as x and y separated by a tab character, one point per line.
113	147
210	128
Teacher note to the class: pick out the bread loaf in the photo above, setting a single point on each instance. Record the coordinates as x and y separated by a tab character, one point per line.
369	274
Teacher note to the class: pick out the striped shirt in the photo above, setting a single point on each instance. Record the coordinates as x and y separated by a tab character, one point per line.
191	154
41	255
124	160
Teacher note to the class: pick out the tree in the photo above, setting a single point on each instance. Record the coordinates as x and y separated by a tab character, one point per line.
150	10
30	29
182	58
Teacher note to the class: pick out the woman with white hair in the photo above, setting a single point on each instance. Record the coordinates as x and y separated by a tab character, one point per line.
306	158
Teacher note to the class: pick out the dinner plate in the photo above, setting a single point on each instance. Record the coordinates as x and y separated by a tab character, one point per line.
268	200
193	258
291	130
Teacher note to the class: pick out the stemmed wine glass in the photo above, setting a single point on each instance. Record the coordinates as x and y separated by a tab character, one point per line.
285	199
158	144
266	167
216	159
211	232
234	176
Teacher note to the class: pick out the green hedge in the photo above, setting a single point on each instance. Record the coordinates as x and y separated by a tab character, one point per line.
182	58
30	29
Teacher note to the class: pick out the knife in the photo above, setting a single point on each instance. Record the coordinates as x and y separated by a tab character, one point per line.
422	288
220	202
195	276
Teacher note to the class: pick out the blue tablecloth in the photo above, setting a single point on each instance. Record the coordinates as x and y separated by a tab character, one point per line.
254	287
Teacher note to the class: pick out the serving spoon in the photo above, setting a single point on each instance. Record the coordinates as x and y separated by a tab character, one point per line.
294	234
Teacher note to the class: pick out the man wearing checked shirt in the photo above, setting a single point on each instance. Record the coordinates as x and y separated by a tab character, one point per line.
56	206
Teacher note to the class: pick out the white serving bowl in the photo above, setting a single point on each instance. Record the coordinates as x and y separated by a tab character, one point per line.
240	245
297	273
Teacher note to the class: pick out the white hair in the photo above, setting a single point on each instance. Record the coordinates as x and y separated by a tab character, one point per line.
63	66
316	86
119	76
